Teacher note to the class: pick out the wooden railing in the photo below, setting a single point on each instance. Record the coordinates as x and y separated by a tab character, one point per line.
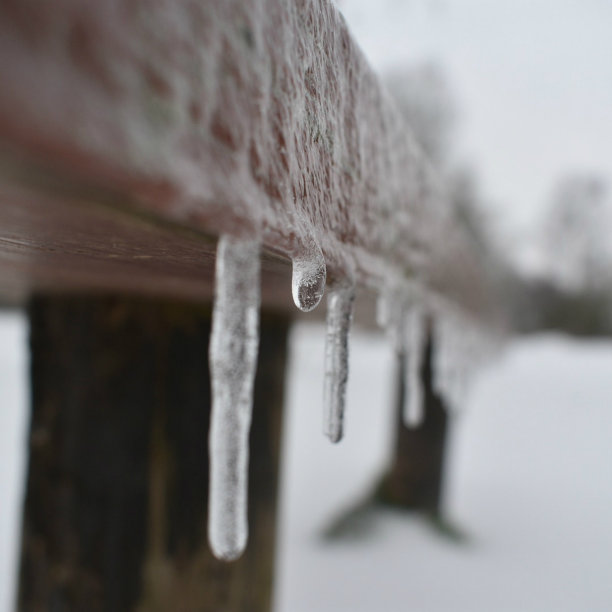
133	134
164	125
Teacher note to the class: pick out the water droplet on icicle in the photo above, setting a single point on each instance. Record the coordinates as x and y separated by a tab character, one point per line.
308	282
413	409
233	360
339	317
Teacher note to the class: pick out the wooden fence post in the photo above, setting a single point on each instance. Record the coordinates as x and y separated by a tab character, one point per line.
415	477
115	510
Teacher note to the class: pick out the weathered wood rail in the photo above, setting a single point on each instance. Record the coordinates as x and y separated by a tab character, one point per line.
190	119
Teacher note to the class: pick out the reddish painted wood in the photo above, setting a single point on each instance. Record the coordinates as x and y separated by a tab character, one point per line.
60	243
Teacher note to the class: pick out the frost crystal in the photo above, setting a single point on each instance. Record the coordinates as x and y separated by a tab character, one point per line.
233	360
339	316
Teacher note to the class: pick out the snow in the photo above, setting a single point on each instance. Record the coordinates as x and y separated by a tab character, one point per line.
233	361
529	482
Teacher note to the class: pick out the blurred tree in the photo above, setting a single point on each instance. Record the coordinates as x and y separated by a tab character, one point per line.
573	291
414	476
576	234
426	102
424	99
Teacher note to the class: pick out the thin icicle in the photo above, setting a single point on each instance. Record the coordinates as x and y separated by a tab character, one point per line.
413	408
233	360
339	317
309	275
445	361
401	313
382	311
390	316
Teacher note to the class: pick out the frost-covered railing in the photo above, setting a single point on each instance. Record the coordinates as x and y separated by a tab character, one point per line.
255	120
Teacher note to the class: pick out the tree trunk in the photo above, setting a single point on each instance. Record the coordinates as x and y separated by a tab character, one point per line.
116	502
415	478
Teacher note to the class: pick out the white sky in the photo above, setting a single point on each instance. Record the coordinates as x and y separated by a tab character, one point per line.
532	82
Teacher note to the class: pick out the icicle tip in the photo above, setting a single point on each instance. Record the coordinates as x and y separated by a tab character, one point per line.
227	551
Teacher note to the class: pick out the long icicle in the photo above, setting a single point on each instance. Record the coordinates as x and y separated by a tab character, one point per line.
413	409
233	360
339	317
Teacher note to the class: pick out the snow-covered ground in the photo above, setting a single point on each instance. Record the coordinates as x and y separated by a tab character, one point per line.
530	482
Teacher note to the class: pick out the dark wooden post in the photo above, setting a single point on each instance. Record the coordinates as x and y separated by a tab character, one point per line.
415	477
115	509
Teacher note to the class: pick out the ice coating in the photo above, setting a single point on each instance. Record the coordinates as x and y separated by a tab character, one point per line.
233	116
338	323
308	278
233	360
415	346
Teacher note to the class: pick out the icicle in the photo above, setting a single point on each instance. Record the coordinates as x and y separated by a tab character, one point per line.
382	311
444	372
339	316
308	282
400	312
233	360
413	400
